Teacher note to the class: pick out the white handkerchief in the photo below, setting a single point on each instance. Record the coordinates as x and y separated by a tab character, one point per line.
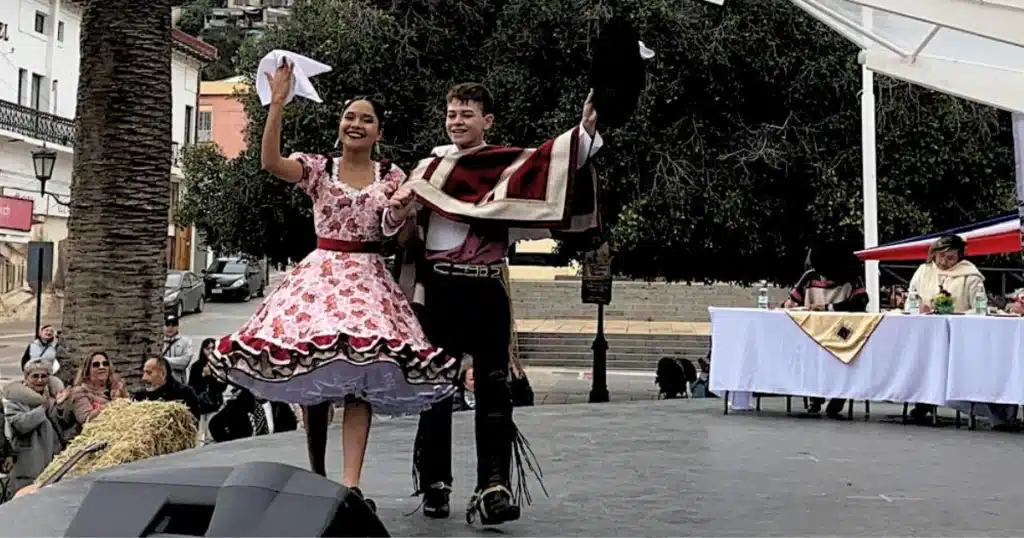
645	52
304	68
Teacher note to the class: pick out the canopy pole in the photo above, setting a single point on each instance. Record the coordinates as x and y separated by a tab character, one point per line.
870	179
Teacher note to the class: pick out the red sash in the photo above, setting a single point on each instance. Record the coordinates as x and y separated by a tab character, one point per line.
338	245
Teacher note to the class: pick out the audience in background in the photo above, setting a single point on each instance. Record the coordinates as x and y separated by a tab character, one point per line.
177	349
160	386
245	416
35	421
94	387
209	391
43	347
831	282
947	270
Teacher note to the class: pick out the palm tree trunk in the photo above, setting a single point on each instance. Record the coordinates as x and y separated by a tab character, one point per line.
117	230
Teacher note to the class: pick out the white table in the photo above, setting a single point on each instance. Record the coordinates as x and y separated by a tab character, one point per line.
765	351
986	360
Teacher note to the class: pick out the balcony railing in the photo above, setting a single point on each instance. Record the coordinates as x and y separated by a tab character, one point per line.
36	124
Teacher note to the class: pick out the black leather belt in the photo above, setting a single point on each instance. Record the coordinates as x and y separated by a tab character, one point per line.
470	270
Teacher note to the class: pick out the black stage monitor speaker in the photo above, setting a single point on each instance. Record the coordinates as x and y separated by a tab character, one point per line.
258	499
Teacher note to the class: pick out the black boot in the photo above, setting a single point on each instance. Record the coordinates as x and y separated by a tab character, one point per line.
436	500
493	505
369	502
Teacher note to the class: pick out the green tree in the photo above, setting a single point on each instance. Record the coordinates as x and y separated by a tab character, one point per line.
227	39
744	149
193	15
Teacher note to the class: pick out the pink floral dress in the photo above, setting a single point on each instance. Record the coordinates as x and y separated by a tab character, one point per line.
339	326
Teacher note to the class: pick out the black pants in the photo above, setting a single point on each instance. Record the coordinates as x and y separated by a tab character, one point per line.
835	406
466	315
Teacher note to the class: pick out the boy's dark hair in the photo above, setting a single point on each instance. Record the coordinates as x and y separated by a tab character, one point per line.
472	92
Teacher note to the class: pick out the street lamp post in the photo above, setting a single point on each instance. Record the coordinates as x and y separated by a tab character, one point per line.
43	161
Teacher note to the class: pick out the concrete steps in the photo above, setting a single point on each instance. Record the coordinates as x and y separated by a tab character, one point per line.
625	352
631	300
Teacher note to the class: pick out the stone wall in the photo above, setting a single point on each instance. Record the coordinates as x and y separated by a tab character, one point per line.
642	301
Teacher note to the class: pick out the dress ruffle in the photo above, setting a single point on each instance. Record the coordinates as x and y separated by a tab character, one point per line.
392	376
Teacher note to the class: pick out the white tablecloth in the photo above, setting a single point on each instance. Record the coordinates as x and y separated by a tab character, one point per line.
905	360
986	359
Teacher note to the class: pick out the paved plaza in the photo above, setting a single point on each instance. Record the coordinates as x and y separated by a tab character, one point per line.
674	468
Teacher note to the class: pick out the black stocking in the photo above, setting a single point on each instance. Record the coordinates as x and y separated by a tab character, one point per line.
315	419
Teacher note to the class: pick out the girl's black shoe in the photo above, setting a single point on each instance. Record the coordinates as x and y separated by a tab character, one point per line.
369	502
493	505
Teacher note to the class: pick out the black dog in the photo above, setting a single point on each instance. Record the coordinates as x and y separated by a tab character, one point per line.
673	377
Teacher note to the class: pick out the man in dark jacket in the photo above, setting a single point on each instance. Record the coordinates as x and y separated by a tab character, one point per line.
161	386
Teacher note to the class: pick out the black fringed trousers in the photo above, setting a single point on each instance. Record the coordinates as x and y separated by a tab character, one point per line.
468	315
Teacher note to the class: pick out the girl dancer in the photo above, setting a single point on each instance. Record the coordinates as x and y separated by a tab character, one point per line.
338	330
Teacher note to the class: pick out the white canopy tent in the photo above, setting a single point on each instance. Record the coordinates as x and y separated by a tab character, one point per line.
968	48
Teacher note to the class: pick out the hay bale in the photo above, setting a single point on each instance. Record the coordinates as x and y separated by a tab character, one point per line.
133	431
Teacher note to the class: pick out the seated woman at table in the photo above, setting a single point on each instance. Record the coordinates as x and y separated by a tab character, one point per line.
831	282
946	269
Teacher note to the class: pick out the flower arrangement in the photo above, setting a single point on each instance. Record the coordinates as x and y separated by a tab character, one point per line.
943	302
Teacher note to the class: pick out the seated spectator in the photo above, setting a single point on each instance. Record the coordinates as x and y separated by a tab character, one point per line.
35	421
94	387
831	282
6	458
1016	304
43	347
947	270
245	416
209	390
161	386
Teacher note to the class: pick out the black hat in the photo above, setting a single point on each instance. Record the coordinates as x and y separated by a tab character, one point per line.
617	72
171	321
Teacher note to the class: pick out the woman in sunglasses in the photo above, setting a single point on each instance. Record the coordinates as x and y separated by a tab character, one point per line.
94	387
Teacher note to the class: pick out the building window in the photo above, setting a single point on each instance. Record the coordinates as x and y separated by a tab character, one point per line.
189	126
22	82
204	126
60	32
37	92
53	98
40	22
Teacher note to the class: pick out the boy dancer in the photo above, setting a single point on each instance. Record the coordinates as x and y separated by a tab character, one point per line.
476	201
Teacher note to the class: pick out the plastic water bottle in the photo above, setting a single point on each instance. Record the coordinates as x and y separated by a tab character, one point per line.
981	302
762	296
913	302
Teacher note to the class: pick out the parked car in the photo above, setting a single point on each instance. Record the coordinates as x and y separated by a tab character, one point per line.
234	279
183	292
